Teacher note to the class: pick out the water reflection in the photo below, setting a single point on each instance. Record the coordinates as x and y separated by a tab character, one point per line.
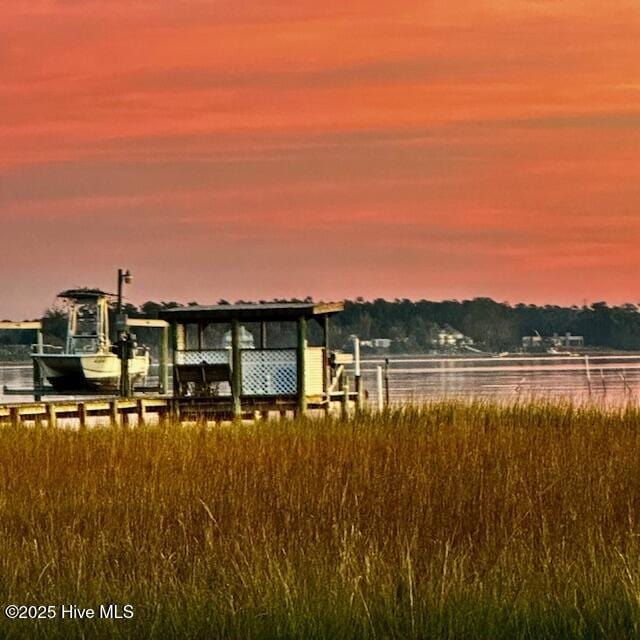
601	379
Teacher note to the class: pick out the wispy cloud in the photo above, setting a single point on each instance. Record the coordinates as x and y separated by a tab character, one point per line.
488	147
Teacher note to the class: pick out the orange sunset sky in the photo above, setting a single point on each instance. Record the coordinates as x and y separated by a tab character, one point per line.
264	148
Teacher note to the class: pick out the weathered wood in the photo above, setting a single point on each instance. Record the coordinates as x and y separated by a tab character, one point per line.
386	382
301	365
38	377
142	413
82	415
236	373
21	326
147	322
357	372
345	397
51	415
114	414
14	416
263	335
163	372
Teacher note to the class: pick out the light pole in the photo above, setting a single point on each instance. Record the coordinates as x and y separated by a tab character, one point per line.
124	277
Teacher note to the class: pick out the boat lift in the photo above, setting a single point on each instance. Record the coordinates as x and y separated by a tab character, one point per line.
38	347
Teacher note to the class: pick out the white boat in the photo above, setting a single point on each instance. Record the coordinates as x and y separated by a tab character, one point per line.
88	361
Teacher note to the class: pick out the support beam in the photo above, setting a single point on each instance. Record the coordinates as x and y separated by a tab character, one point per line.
149	323
236	371
114	415
301	360
82	415
358	373
52	419
38	378
163	365
141	411
178	345
327	368
263	335
21	326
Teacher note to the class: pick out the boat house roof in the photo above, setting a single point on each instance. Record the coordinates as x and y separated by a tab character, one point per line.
264	312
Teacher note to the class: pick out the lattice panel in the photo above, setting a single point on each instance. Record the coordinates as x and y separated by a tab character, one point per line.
210	356
269	372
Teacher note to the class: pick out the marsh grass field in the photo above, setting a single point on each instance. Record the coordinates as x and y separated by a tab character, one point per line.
450	520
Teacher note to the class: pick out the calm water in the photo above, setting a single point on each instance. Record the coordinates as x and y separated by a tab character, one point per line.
608	379
601	379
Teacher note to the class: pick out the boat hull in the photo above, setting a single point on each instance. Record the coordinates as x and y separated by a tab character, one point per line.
91	372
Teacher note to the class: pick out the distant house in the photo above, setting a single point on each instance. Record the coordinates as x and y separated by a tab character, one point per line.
567	340
532	342
377	343
546	342
448	337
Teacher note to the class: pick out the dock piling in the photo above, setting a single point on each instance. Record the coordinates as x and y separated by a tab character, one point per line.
82	415
51	415
379	388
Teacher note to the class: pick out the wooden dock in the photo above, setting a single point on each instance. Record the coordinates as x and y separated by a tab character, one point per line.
119	411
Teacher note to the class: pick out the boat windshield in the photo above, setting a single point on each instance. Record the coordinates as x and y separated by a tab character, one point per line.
86	319
86	335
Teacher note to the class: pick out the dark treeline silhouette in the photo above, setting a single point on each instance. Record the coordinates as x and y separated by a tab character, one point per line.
412	325
493	326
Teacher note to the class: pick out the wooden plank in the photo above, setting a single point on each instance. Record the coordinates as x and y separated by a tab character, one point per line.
314	371
147	322
35	325
328	307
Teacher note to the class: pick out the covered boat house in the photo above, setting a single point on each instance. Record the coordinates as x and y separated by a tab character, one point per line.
233	360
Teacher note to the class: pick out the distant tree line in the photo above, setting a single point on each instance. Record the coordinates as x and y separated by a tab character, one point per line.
494	326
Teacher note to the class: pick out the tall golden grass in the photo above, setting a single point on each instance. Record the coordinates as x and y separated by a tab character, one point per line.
444	521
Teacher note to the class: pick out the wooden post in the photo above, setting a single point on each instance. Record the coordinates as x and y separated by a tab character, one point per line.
379	390
301	362
114	415
174	413
142	412
327	368
38	379
236	373
178	345
82	415
52	419
263	335
14	415
588	372
358	372
163	365
386	381
345	397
